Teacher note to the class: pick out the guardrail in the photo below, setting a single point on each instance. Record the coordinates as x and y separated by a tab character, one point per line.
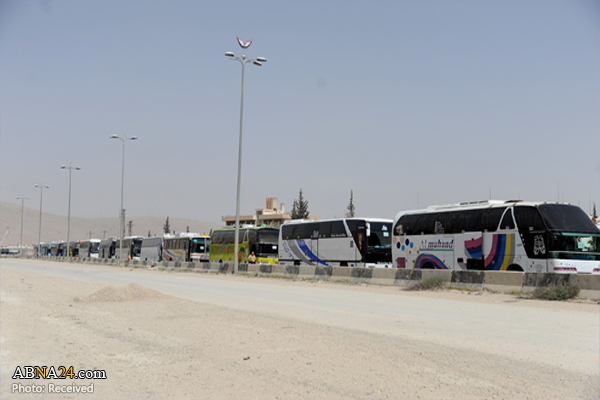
505	281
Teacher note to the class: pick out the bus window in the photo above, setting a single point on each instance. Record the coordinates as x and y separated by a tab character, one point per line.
325	229
338	229
528	219
507	221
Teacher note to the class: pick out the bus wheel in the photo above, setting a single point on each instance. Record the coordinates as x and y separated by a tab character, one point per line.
514	267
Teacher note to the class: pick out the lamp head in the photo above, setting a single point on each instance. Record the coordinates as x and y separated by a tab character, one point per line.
114	137
229	54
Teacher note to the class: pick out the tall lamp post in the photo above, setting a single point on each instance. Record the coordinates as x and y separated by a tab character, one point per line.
243	60
41	186
22	198
70	168
122	214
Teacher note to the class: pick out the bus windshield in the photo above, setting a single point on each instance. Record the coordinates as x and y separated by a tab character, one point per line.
380	235
566	218
200	245
573	246
268	236
267	248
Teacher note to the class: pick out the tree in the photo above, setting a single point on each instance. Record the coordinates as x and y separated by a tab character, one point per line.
350	208
300	208
167	227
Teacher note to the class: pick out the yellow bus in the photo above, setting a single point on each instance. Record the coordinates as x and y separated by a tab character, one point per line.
261	241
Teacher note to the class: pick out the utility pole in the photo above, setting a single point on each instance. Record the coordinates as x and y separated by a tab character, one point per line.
22	198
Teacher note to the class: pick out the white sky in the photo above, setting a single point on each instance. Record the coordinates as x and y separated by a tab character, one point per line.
407	103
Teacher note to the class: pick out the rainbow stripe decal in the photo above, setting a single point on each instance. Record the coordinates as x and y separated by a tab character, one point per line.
428	258
474	247
501	255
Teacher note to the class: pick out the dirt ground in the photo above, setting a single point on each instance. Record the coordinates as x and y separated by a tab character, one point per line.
154	346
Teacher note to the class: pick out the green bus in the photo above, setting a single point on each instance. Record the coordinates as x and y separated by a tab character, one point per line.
262	241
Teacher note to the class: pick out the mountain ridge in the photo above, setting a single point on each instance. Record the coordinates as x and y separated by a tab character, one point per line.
54	227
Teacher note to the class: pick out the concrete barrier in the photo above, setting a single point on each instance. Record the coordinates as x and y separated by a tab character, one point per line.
586	282
444	274
589	285
468	279
405	277
383	276
265	268
324	272
534	280
281	270
338	274
253	268
503	281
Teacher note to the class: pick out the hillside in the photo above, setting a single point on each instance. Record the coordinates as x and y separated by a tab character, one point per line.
54	227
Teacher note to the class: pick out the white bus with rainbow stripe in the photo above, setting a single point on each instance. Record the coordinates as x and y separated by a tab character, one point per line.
497	235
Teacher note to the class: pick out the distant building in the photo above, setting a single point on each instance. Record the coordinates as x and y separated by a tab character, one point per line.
272	216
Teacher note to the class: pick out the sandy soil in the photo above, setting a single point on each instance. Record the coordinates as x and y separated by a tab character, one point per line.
153	346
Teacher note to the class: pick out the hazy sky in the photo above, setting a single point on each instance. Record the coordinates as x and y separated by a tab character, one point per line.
407	103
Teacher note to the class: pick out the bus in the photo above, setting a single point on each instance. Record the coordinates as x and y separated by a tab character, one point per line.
152	248
42	249
89	248
262	241
74	248
57	249
200	248
341	242
132	246
190	247
107	248
498	235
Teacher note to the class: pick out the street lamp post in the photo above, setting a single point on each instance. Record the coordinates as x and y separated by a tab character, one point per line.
41	186
22	198
122	214
243	60
70	168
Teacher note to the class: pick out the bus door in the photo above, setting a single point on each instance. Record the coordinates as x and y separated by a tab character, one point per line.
244	242
363	233
313	231
360	232
532	231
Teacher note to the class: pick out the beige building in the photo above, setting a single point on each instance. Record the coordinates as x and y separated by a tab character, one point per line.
272	215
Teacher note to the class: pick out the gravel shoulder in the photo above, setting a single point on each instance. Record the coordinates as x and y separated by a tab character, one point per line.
156	346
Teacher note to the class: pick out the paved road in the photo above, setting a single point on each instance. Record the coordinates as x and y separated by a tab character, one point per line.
553	335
